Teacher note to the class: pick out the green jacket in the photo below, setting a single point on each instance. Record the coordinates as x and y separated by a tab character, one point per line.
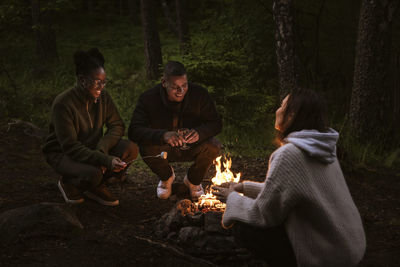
76	128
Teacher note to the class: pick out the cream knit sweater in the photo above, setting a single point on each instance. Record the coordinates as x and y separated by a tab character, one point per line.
305	190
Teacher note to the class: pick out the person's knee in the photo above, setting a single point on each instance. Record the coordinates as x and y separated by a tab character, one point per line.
131	151
150	150
213	147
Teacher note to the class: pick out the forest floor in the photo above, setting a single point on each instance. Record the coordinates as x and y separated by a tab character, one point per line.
116	236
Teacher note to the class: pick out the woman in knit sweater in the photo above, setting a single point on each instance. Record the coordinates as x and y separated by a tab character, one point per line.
303	213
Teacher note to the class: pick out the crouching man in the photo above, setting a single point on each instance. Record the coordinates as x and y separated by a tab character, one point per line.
180	118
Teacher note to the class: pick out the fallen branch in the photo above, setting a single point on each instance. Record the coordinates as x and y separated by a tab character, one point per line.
220	252
176	251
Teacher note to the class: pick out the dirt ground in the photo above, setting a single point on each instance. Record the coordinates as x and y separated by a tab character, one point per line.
120	236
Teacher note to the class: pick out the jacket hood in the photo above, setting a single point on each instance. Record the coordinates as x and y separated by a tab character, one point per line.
319	145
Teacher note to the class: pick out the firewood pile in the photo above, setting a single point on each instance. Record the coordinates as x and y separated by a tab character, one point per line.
200	234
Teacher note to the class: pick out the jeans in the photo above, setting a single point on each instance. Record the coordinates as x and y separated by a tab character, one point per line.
202	155
85	176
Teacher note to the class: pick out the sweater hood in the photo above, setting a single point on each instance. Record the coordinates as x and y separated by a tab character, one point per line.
319	145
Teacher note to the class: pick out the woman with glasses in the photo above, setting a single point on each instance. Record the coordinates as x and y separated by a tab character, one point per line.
77	147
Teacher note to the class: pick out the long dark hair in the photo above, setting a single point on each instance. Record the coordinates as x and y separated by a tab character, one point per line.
88	61
306	109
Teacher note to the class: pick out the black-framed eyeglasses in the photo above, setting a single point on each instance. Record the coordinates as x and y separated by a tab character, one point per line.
98	82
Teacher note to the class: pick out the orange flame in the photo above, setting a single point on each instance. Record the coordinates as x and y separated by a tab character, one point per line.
225	176
210	201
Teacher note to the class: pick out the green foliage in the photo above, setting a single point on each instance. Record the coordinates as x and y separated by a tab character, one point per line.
13	14
233	56
367	155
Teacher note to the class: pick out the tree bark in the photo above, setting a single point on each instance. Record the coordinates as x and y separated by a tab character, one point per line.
90	6
167	14
152	46
132	9
368	113
183	27
285	49
46	45
396	95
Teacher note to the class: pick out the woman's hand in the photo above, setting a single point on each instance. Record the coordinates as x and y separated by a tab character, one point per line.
222	192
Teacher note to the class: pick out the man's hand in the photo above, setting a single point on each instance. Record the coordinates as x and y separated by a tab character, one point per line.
173	139
118	165
192	136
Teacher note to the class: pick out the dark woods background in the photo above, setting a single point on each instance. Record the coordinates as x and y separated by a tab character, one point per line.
246	53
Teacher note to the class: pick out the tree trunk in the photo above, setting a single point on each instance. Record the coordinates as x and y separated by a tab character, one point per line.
121	7
368	113
183	27
90	6
396	95
167	14
46	45
132	9
152	46
285	49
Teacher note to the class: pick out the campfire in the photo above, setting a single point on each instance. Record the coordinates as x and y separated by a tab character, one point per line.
208	201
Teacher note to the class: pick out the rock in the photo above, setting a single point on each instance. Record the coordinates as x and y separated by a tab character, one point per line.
39	219
172	236
27	128
170	222
190	234
212	222
196	219
220	243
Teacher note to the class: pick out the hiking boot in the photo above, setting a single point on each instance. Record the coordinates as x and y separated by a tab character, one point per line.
164	188
195	190
70	193
101	195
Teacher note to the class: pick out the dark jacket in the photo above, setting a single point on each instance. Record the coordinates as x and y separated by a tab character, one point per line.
153	115
76	128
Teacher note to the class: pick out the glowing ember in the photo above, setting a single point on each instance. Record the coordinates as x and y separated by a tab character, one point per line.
210	202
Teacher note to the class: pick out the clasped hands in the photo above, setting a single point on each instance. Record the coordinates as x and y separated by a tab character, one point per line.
175	140
222	192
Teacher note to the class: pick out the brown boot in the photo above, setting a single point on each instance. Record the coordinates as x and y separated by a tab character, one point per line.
70	193
101	195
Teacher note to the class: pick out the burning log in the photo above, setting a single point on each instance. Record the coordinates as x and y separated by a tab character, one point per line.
209	202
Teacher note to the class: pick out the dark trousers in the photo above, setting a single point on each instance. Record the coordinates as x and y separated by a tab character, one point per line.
85	176
202	155
269	244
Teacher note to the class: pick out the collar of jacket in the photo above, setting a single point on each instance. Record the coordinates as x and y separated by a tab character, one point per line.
84	94
176	107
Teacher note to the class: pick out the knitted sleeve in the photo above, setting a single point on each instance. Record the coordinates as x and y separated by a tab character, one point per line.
275	200
252	189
